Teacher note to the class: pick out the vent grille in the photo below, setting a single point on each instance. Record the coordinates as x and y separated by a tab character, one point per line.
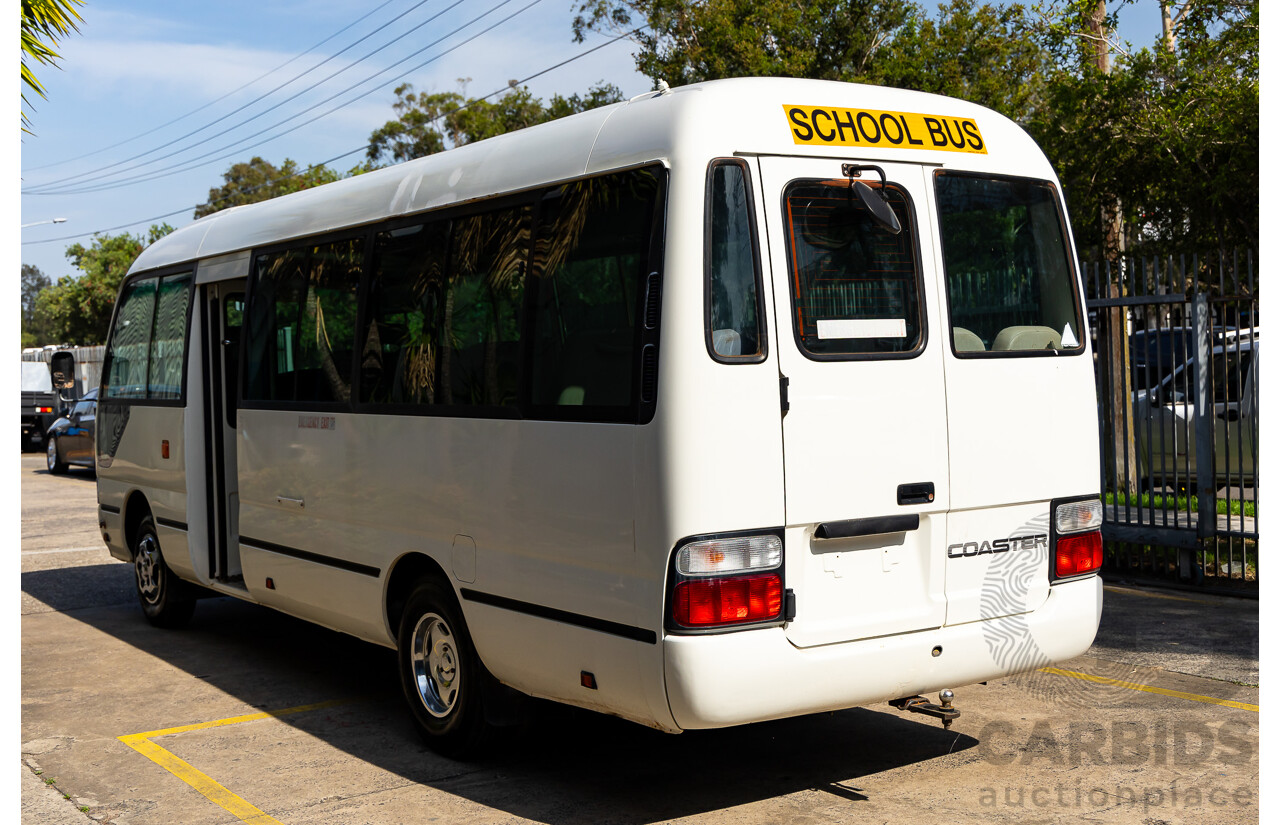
649	374
652	300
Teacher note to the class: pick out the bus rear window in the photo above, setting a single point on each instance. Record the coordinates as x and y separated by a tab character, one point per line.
855	286
1008	272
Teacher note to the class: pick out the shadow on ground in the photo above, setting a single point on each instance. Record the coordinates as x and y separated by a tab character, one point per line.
564	766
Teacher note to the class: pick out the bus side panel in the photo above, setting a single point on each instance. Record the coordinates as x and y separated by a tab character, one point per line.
134	439
308	518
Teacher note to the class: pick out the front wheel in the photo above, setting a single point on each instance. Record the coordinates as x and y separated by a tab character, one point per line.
53	459
442	678
166	600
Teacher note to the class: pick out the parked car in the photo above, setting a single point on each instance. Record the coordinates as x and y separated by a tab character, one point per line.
1164	418
70	439
1155	353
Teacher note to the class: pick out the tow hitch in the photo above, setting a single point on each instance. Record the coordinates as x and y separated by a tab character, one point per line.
919	704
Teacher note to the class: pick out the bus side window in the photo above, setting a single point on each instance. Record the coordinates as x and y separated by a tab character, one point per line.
480	345
302	319
592	246
399	357
733	269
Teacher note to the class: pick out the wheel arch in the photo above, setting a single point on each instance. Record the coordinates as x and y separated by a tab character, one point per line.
136	508
405	572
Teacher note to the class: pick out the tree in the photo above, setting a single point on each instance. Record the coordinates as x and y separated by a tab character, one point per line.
1170	132
688	42
34	333
259	180
43	23
430	123
981	53
78	309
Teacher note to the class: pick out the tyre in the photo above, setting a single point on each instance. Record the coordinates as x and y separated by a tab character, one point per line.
443	679
53	459
166	600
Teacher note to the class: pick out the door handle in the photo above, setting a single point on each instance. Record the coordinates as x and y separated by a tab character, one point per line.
918	493
285	501
877	526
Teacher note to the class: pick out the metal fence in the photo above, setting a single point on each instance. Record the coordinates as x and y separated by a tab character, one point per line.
1176	345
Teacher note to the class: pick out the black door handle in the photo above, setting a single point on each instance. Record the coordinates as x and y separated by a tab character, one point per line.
920	492
878	526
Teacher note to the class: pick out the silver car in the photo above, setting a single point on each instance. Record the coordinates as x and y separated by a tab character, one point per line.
1164	418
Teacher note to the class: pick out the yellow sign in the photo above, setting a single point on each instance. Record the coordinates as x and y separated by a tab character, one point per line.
831	126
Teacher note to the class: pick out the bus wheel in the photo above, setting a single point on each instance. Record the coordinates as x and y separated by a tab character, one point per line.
440	673
165	600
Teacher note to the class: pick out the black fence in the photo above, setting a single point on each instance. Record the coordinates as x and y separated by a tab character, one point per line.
1176	352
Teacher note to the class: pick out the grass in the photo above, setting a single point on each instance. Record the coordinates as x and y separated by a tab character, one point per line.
1172	502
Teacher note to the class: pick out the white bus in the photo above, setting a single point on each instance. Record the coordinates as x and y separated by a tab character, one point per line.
731	402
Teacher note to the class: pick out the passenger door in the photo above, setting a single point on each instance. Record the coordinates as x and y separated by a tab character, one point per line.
864	417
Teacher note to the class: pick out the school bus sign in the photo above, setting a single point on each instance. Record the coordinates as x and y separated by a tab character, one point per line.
832	126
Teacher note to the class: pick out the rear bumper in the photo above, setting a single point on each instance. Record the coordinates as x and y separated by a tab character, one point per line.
752	676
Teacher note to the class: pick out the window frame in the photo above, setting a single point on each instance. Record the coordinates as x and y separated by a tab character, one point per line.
761	318
188	269
1073	272
917	261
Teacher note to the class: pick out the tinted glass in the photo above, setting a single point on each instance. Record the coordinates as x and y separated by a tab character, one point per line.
169	343
479	354
854	284
400	357
1008	270
593	248
731	264
302	320
131	340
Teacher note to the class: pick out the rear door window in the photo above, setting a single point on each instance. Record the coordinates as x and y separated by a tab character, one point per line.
1010	283
855	286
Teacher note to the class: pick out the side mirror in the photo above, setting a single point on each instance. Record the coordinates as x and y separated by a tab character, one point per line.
879	208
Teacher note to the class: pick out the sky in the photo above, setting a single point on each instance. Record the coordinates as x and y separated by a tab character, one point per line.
141	119
154	99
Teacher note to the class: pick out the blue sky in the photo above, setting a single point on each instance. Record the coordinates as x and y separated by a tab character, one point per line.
136	65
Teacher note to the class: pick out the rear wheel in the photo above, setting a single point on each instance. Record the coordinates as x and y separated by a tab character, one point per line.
53	459
166	600
442	678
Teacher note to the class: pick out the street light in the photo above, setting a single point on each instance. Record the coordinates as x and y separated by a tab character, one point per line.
51	220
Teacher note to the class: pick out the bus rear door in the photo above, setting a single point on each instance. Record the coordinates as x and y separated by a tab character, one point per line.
865	421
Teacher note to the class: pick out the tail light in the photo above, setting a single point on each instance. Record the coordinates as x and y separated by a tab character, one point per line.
1077	529
727	581
1078	554
719	602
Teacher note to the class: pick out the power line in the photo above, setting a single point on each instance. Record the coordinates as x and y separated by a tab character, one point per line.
240	88
236	146
436	119
92	175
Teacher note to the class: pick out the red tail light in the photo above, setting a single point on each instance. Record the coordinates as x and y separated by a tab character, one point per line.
718	602
1081	553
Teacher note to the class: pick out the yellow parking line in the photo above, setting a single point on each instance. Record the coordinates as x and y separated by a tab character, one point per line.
202	782
1177	694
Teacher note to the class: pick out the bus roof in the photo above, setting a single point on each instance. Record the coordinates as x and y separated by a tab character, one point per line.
688	124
